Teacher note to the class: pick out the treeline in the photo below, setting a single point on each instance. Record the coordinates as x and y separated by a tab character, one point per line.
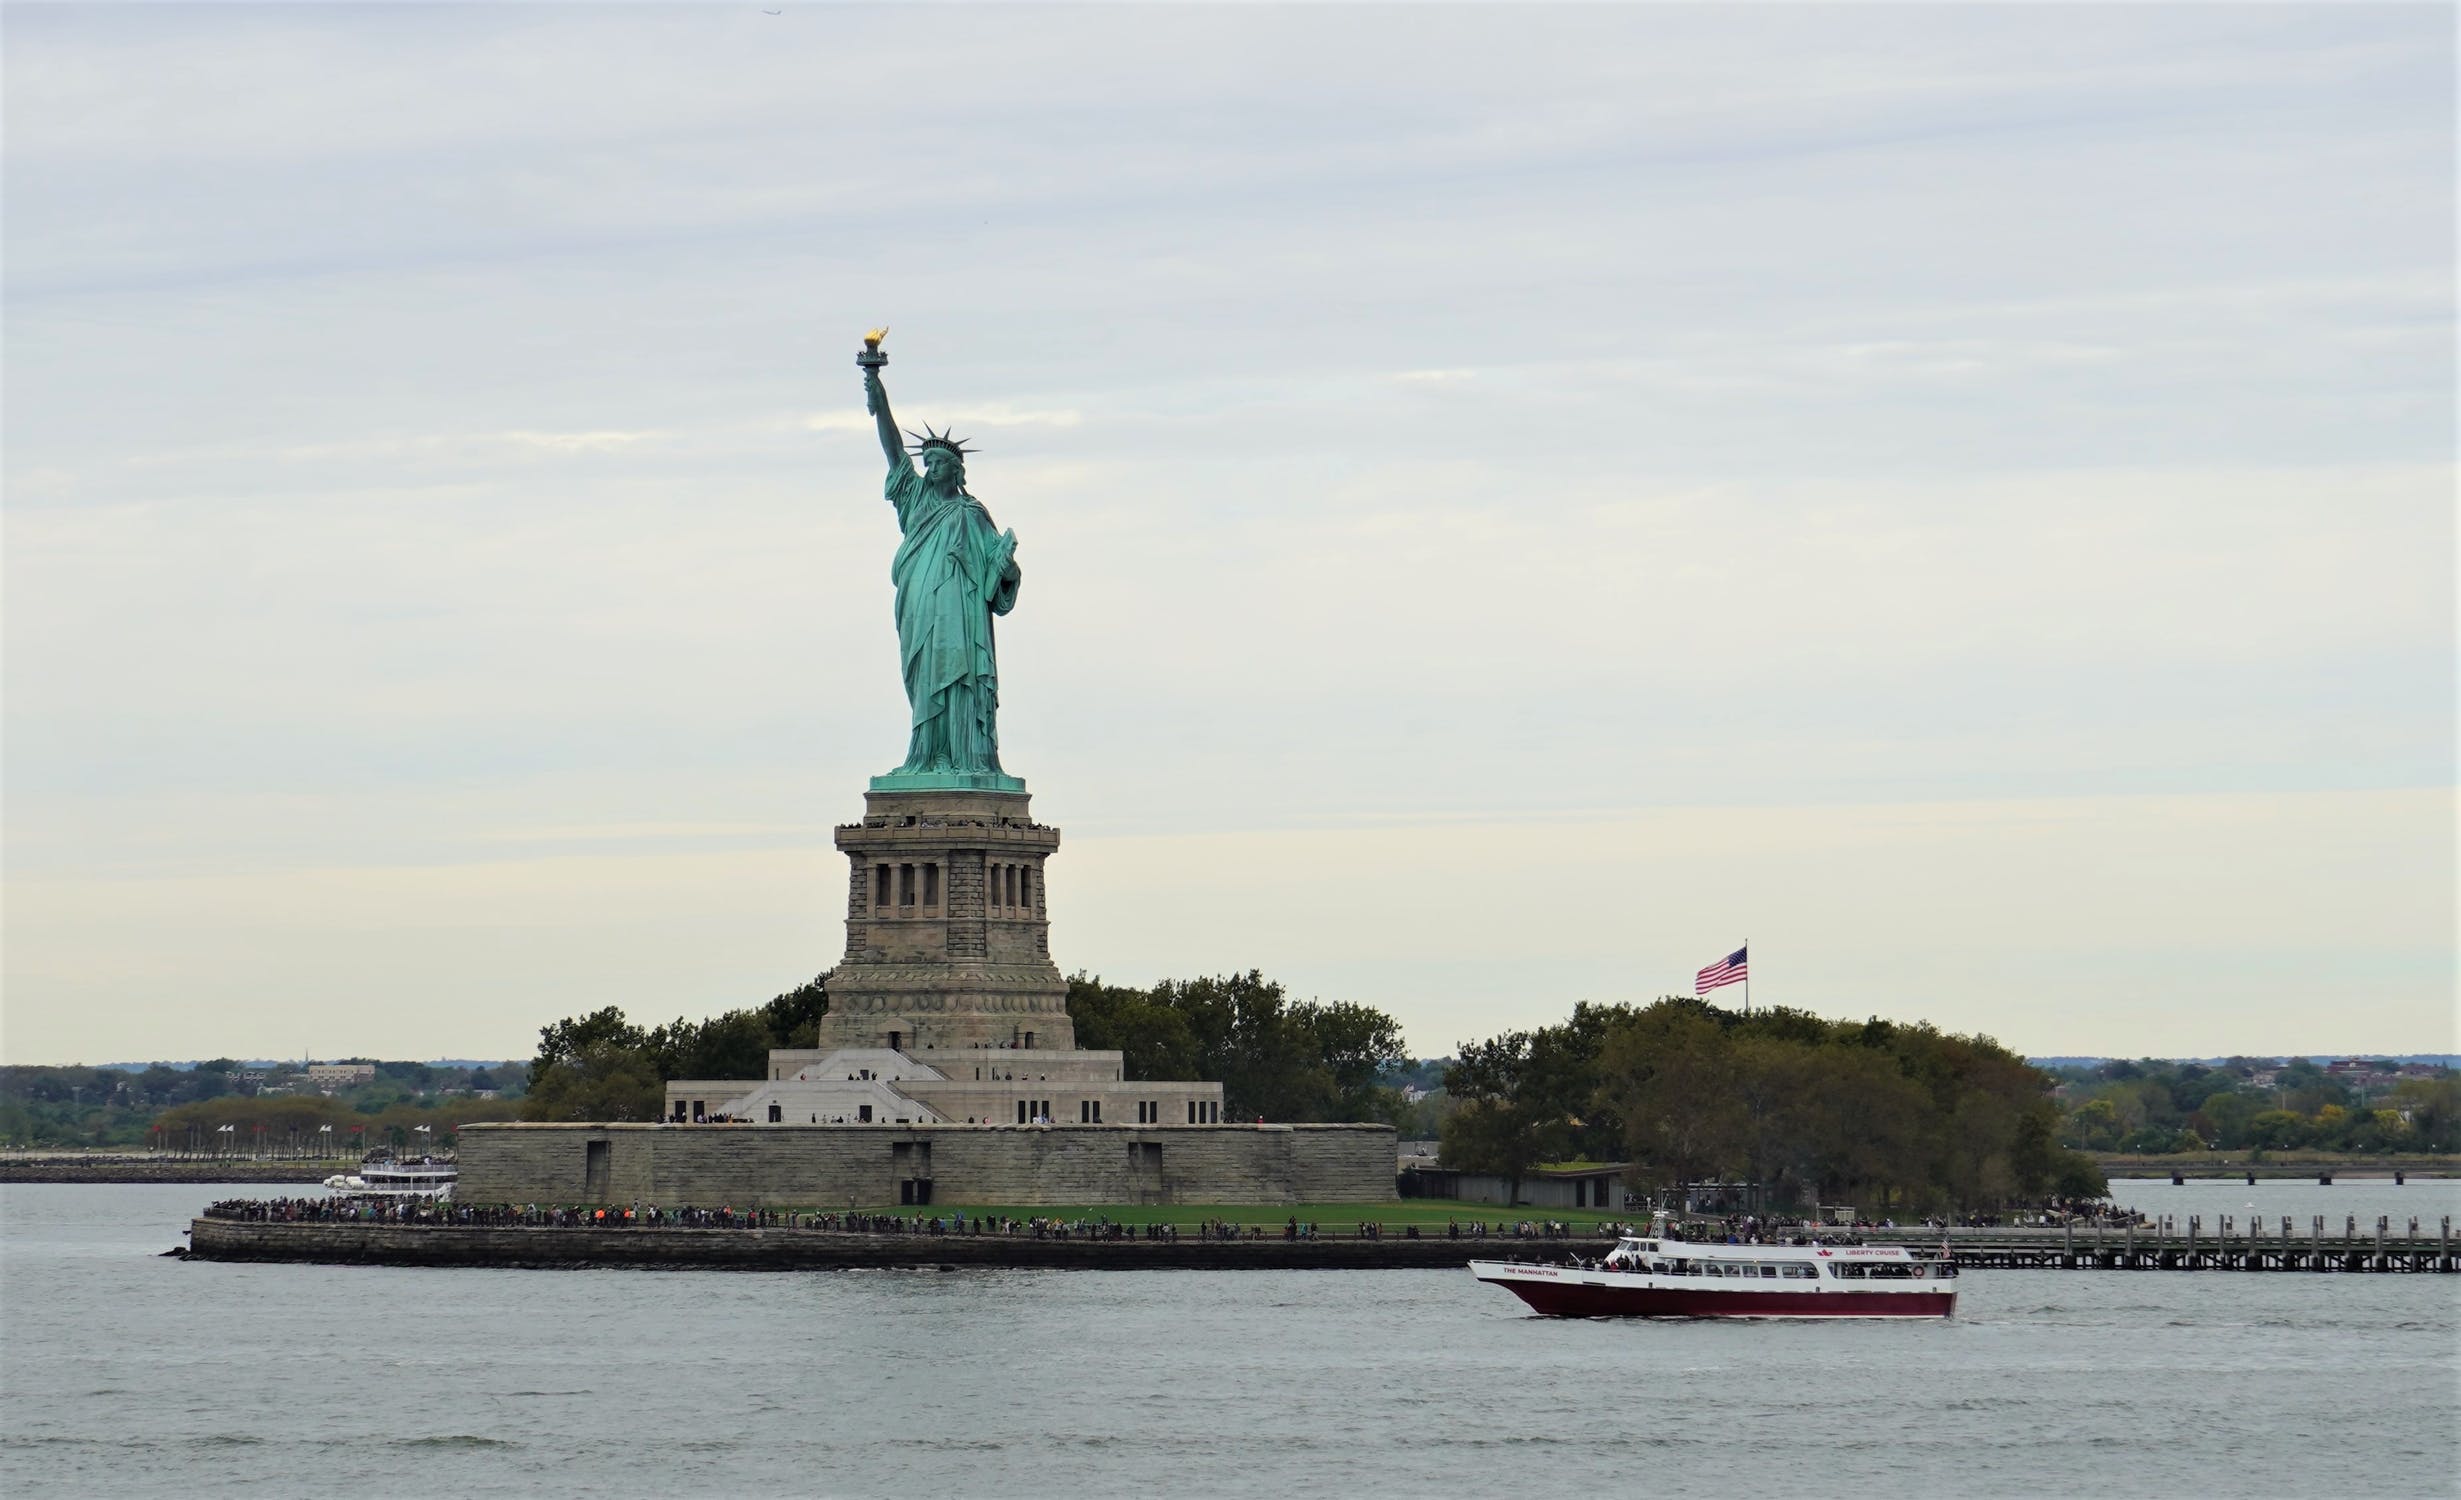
1885	1116
313	1125
83	1106
602	1067
2151	1106
1279	1058
1295	1061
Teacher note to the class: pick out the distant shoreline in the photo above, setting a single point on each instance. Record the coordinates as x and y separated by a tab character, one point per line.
106	1167
79	1167
2286	1165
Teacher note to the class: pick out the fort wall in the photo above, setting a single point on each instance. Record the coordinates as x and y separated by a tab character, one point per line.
517	1246
755	1166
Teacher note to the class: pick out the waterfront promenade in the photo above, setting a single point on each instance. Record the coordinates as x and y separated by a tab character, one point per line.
132	1166
781	1243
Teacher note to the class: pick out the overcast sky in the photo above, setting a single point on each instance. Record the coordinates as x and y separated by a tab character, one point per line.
1513	502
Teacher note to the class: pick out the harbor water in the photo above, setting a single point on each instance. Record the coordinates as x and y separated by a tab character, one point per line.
125	1374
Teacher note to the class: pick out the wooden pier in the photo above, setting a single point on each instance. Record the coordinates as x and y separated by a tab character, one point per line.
2174	1244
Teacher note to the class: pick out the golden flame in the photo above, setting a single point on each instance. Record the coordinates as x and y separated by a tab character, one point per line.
872	339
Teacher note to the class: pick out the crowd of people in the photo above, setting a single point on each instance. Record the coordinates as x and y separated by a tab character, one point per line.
2059	1211
1525	1229
1733	1229
393	1209
373	1209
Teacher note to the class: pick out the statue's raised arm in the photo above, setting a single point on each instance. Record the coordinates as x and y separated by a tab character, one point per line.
876	401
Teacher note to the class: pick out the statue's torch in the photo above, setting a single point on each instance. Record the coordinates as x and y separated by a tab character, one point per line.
871	358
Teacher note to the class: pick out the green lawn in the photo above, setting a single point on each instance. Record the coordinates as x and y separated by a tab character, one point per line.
1427	1213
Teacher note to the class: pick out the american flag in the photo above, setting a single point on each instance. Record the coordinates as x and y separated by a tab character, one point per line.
1732	969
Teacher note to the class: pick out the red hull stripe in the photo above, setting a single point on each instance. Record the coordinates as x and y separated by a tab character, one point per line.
1571	1299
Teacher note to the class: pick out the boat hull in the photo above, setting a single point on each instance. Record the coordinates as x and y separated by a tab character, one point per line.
1579	1295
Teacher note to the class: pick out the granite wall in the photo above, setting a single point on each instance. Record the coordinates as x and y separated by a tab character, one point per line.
828	1166
807	1250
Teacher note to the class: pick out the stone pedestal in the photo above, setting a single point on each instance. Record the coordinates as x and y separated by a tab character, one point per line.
947	935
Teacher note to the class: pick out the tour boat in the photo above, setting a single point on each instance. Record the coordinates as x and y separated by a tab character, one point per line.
424	1178
1660	1276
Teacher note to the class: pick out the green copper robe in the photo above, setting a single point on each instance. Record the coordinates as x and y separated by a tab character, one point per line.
953	571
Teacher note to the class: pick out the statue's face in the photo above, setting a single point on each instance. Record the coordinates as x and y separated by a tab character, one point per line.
944	469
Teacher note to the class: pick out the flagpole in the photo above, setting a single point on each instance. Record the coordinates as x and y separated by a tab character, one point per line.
1747	976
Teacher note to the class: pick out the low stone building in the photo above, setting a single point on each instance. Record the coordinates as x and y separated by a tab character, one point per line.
1590	1185
972	1086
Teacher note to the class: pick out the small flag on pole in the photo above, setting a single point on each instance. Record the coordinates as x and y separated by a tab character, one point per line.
1734	968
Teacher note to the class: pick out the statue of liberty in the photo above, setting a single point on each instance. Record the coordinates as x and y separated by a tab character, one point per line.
954	571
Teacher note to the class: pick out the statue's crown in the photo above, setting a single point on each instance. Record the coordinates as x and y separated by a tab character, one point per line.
930	440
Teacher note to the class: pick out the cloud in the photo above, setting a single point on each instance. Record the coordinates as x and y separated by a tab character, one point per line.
995	414
576	442
423	451
1923	910
406	446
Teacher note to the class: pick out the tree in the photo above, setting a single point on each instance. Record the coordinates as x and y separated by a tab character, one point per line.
1494	1128
1356	1044
1861	1128
2276	1130
2074	1176
564	1041
733	1045
1277	1058
1154	1041
602	1080
1669	1075
2431	1109
1804	1107
793	1018
2226	1117
2094	1125
601	1066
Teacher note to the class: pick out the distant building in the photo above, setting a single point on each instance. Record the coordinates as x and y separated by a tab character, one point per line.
1588	1185
340	1075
